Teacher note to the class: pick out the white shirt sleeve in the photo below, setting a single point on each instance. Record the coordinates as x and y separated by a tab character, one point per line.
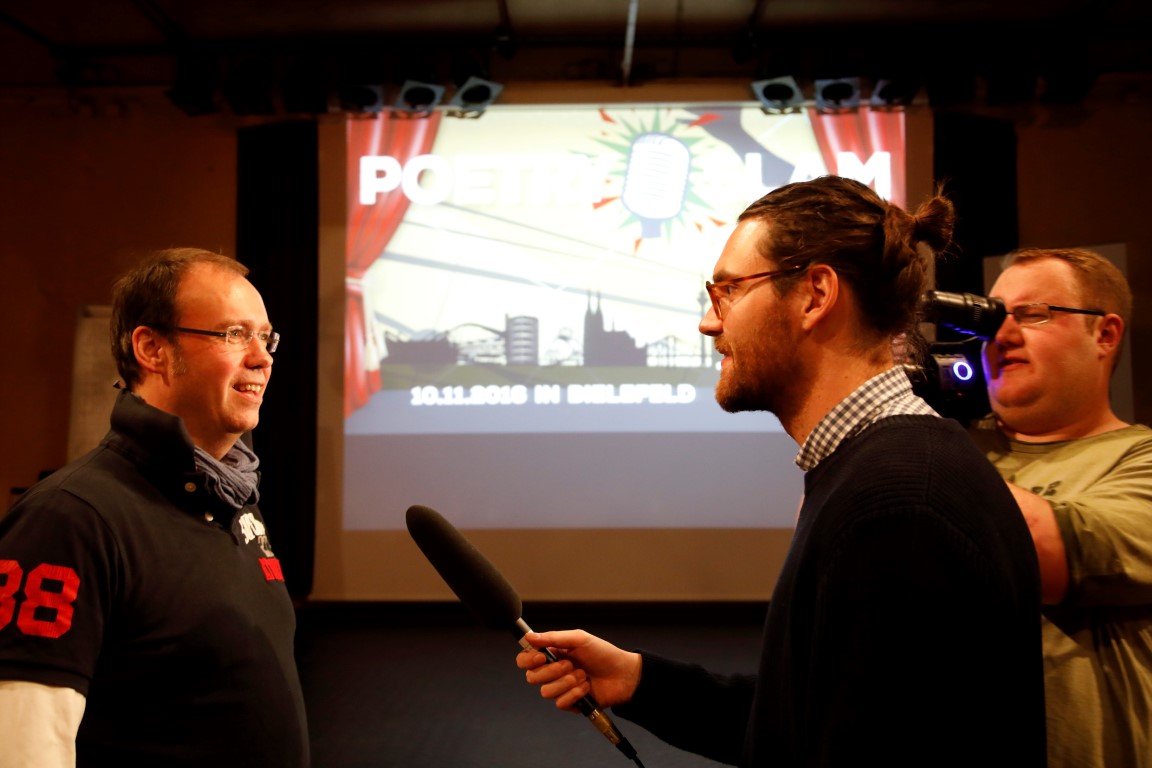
40	725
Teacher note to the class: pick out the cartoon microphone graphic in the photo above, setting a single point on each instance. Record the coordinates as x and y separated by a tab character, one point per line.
656	180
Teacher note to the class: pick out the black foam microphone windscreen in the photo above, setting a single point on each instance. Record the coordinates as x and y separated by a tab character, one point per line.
490	598
477	583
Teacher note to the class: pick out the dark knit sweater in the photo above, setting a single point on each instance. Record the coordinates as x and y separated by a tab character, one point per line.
904	628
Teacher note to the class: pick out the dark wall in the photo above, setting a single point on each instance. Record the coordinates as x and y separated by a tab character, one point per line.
974	156
277	237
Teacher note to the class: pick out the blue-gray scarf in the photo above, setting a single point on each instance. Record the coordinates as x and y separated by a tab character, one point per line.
233	478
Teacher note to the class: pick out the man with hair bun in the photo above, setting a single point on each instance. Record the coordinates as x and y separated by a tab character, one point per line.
904	627
1083	479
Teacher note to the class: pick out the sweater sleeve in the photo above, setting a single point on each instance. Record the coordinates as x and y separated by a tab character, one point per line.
691	708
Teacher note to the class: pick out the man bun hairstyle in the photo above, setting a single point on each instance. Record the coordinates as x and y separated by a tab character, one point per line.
883	252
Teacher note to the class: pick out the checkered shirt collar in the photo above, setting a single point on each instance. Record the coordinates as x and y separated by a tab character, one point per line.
886	394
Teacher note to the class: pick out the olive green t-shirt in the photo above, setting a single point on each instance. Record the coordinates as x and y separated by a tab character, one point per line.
1098	641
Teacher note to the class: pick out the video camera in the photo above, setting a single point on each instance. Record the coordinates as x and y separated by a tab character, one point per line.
963	312
951	379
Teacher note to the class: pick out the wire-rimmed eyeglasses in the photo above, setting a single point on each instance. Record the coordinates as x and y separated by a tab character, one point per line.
1038	314
721	291
238	335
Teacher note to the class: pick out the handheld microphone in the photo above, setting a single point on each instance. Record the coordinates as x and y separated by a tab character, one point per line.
489	597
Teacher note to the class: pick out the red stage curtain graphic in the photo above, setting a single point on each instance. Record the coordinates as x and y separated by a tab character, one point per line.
370	227
863	132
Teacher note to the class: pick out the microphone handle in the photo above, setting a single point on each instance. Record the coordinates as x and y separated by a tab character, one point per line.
587	704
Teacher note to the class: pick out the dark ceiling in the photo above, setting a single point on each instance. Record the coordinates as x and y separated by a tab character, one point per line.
97	43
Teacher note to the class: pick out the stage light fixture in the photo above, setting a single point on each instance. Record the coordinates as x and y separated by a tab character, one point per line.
778	95
473	97
360	99
418	98
893	93
840	94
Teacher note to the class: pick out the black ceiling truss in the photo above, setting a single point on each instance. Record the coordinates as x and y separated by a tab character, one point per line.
1054	59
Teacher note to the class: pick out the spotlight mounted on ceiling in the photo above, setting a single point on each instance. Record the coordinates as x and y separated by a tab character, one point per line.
360	99
778	95
417	98
473	97
835	95
893	93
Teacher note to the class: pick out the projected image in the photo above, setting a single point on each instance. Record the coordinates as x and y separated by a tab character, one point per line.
522	299
547	268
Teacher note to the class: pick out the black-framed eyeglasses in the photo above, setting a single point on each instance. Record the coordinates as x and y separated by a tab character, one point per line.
238	336
721	291
1038	314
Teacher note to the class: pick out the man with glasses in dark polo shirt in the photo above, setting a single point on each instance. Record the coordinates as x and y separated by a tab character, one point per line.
144	619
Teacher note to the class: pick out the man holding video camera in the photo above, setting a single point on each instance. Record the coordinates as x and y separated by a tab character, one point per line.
1083	480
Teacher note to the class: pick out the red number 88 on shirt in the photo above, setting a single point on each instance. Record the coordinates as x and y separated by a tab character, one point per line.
49	592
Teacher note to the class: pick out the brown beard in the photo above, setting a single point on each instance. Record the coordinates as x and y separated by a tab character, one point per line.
759	377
